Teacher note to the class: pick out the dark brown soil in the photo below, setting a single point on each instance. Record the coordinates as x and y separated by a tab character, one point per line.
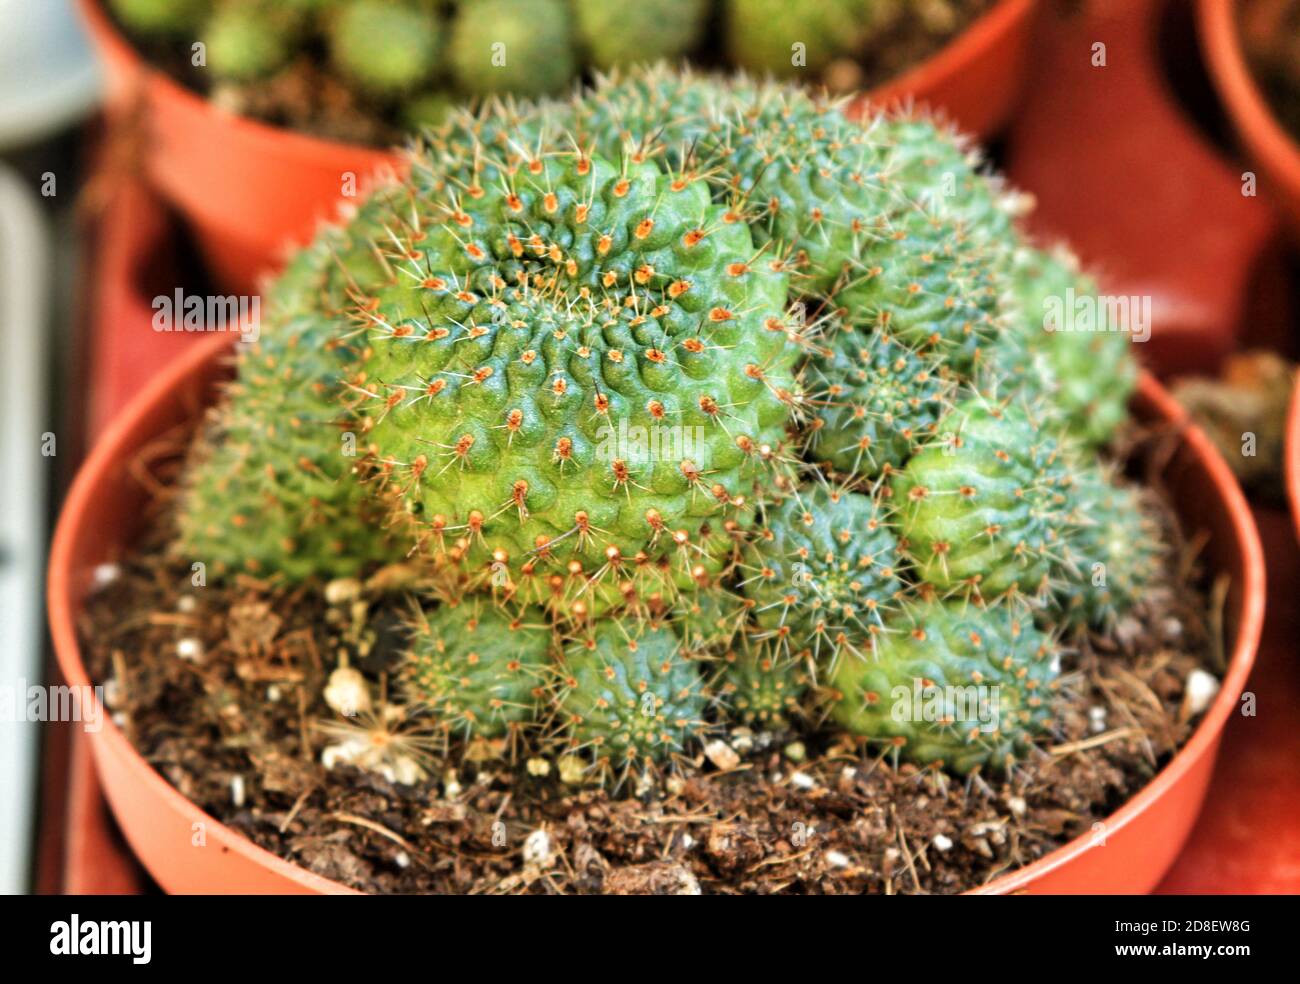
307	97
220	688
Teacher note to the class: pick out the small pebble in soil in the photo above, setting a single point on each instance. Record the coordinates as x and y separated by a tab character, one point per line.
795	751
537	849
836	859
722	755
190	649
941	842
573	770
237	791
342	590
186	604
1097	719
801	780
1201	690
347	692
105	574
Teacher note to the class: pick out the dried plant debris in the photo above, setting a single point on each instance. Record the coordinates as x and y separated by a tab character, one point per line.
1244	412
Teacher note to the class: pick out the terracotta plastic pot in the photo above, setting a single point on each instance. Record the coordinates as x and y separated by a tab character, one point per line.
248	190
103	511
1291	459
1271	147
977	78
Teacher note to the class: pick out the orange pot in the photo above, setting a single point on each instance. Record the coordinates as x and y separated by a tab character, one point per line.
1129	853
249	190
1291	459
1273	149
977	78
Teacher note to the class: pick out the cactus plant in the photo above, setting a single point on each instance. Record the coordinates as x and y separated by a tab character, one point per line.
874	400
618	34
987	509
476	672
951	684
173	17
247	39
387	47
1093	370
822	572
518	46
1114	550
268	489
784	39
731	393
629	701
762	688
575	360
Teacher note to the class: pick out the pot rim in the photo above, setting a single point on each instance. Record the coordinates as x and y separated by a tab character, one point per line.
83	495
981	33
944	63
284	139
1250	112
1291	455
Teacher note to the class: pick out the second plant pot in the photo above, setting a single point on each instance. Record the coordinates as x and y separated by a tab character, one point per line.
250	190
1275	151
187	850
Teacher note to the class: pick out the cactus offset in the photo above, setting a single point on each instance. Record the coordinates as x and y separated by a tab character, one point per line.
986	509
874	400
951	684
477	672
822	571
762	688
269	488
629	700
1114	549
1092	366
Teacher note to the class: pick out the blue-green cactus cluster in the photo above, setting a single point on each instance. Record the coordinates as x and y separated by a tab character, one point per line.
710	403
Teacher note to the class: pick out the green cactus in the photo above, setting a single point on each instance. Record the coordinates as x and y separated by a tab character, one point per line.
986	508
951	684
875	401
1094	370
247	40
629	700
1114	549
268	489
517	46
787	39
822	571
574	362
762	688
386	47
477	672
619	34
178	18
